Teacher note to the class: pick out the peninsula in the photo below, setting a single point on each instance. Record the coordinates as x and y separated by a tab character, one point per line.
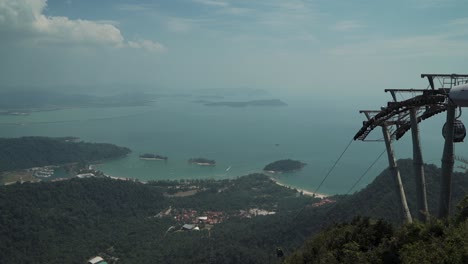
286	165
28	152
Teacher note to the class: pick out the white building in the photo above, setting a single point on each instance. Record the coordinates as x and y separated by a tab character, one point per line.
95	260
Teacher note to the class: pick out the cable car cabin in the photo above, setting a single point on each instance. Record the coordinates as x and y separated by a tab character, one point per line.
459	95
459	131
279	253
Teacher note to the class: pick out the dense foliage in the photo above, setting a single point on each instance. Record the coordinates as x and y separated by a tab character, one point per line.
284	165
367	241
71	221
66	222
380	200
27	152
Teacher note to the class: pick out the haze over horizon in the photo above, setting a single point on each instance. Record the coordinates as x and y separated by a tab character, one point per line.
288	46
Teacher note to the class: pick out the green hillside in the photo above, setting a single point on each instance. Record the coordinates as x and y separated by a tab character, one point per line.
28	152
70	221
73	220
380	200
376	241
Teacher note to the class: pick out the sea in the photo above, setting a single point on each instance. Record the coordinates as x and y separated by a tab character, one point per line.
314	129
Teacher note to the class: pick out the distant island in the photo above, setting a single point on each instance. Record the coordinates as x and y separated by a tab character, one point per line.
272	102
228	92
287	165
202	161
15	113
25	102
148	156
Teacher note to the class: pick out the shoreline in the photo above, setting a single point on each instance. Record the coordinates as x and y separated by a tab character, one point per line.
305	192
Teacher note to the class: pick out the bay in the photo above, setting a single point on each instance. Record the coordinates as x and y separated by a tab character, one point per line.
242	140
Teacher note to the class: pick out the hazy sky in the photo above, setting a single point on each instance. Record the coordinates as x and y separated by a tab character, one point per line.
288	45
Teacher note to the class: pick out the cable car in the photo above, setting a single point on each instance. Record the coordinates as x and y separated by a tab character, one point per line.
459	131
279	252
459	95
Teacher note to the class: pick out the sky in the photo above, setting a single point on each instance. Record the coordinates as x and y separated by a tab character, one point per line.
329	47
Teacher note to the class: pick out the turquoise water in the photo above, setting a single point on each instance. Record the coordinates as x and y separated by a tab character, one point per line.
313	130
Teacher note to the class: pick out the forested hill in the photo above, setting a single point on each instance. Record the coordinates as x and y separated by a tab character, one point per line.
27	152
376	241
380	199
73	220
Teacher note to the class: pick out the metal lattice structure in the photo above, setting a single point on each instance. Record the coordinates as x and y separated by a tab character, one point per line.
389	129
396	113
429	102
445	81
399	116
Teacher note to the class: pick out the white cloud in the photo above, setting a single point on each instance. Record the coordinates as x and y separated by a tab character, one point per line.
26	18
458	22
288	18
223	7
443	45
176	24
432	3
211	2
105	21
346	25
62	29
132	7
234	10
148	45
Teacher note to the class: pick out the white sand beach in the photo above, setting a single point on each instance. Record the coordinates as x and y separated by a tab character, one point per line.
305	192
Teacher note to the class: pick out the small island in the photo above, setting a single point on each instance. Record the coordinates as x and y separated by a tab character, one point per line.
148	156
202	161
287	165
270	103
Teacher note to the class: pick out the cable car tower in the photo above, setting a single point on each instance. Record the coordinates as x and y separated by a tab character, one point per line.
388	131
406	114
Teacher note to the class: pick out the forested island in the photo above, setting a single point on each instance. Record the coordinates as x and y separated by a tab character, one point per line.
272	102
286	165
28	152
148	156
202	161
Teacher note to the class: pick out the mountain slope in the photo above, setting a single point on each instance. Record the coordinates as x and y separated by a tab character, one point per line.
369	241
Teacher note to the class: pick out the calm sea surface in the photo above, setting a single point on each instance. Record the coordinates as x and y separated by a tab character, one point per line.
241	140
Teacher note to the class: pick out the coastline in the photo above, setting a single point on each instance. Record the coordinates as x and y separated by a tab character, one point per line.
276	181
305	192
